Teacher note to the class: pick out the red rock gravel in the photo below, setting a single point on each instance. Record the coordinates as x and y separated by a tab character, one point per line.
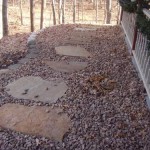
118	120
12	48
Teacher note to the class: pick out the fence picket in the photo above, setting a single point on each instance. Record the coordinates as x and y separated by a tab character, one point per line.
141	52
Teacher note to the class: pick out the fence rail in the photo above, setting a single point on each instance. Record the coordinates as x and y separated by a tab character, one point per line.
139	46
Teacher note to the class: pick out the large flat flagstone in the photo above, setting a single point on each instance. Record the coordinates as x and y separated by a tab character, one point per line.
72	51
35	88
85	29
36	120
66	67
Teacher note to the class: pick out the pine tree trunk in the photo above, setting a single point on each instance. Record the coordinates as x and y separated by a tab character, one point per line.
74	11
82	8
54	14
45	2
96	11
21	12
13	3
60	11
94	4
32	15
42	14
1	21
5	19
108	10
78	11
63	11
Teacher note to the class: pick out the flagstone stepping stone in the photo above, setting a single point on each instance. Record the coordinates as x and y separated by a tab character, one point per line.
66	67
85	29
83	39
72	51
36	120
83	34
35	88
78	41
4	71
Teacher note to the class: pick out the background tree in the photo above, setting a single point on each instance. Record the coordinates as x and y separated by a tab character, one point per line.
108	11
63	11
21	12
32	15
5	18
82	8
74	11
54	13
45	2
60	11
1	23
42	13
96	11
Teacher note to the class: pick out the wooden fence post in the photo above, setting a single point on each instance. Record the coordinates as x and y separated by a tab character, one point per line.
134	38
121	14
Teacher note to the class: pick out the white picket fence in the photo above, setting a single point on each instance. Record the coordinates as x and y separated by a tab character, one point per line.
128	24
141	52
142	58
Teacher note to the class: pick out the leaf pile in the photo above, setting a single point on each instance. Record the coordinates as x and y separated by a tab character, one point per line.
99	85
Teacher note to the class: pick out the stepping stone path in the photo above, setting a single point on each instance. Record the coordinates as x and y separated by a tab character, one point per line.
41	120
35	88
72	51
66	67
81	36
85	29
44	121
